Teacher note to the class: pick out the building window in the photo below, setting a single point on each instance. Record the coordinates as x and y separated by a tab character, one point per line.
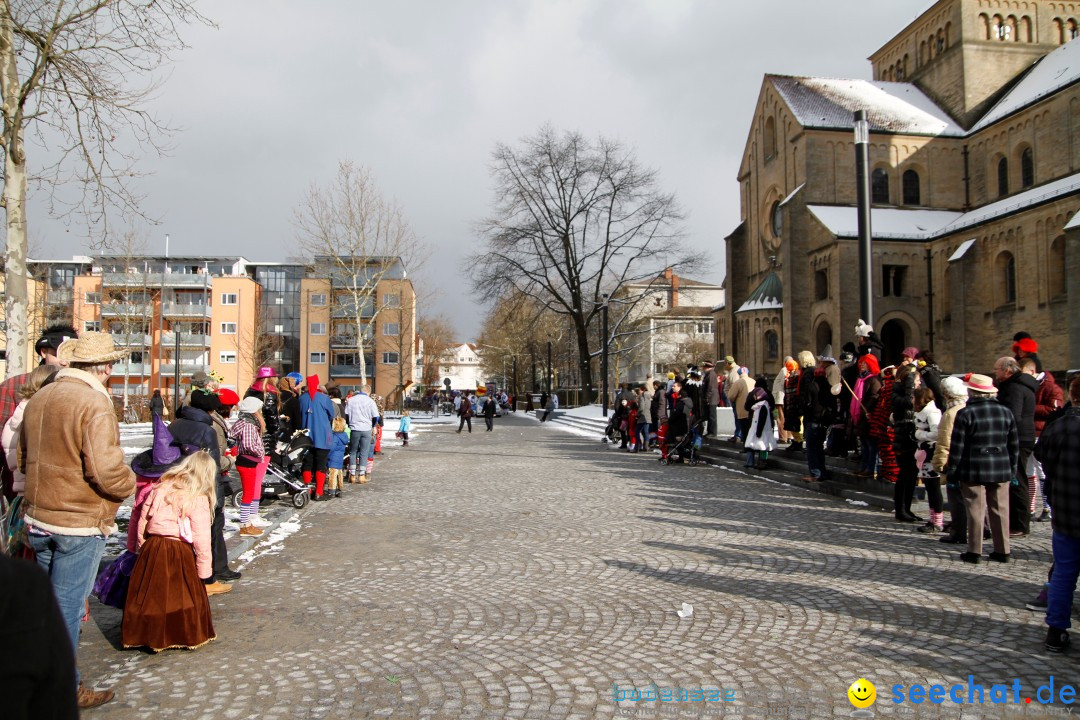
1057	268
92	326
390	358
1027	168
772	345
92	298
390	328
279	300
770	138
279	329
317	358
1006	271
228	328
821	284
391	300
318	299
227	357
1003	177
892	280
317	329
879	187
776	219
229	298
704	328
911	188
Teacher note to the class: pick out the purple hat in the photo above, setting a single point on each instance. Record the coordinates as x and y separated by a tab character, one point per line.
161	457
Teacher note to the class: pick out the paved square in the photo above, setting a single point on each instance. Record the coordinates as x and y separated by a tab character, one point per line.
531	573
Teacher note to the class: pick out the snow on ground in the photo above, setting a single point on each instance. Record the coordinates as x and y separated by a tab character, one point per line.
270	544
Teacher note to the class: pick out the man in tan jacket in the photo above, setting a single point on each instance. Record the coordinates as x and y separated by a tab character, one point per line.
737	395
76	477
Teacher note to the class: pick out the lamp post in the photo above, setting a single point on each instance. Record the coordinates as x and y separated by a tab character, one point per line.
862	183
604	356
549	369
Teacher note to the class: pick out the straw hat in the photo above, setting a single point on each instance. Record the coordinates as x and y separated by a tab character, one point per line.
980	383
92	348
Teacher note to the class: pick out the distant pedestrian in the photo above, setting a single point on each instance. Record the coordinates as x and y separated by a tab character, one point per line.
404	427
465	414
760	439
157	405
335	461
1016	391
552	406
955	392
489	413
711	384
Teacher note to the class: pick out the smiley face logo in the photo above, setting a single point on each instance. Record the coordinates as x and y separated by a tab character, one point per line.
862	693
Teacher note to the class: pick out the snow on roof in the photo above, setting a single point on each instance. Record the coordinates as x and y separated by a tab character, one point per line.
1069	185
903	224
794	192
1074	223
890	106
768	295
843	221
1049	74
962	250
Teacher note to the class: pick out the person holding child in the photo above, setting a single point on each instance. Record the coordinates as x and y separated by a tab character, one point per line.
167	604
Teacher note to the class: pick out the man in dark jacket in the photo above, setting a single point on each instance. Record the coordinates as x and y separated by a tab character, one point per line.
1048	401
489	413
1016	391
1059	452
983	453
712	397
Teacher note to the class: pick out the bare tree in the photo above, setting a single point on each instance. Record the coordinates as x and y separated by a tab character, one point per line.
437	332
254	347
575	219
359	238
67	74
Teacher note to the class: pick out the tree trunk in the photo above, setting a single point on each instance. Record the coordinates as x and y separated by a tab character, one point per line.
16	301
584	361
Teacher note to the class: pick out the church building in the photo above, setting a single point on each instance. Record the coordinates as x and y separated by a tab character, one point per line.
974	113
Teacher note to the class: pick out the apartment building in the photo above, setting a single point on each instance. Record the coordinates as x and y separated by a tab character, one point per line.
182	314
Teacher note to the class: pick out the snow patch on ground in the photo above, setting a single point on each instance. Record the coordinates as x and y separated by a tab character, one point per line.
857	503
271	544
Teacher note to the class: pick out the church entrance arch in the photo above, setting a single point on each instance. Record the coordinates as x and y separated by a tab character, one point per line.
894	336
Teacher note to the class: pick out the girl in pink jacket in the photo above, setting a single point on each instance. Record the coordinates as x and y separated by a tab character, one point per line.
167	604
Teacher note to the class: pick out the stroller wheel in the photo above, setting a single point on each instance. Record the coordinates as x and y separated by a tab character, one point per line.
300	499
238	499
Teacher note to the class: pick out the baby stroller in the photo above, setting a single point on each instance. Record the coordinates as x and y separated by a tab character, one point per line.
283	474
682	448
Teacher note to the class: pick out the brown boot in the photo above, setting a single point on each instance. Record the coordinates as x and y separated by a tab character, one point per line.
218	588
363	479
352	479
92	698
250	530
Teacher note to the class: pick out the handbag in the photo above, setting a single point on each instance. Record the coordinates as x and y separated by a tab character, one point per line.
111	585
399	434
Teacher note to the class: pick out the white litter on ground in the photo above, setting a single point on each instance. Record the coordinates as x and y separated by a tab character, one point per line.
687	611
271	545
858	503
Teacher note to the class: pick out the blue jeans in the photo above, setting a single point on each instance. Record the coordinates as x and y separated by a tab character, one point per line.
869	454
72	564
1063	580
359	440
814	435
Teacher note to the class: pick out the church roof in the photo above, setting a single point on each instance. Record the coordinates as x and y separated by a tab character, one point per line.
769	295
1048	75
1074	223
893	107
909	224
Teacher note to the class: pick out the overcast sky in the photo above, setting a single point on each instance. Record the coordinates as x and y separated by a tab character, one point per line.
420	91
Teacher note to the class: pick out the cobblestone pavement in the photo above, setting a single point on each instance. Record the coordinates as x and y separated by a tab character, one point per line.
527	572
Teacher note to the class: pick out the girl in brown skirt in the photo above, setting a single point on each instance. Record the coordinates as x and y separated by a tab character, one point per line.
167	606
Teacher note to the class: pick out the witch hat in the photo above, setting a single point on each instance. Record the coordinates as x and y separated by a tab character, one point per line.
162	455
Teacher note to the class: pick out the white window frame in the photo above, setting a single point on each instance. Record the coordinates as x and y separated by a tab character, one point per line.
391	300
317	358
279	329
230	298
92	326
387	361
225	328
321	328
92	298
387	327
319	299
227	357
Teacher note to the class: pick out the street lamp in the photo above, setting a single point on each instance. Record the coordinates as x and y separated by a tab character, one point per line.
604	356
549	369
862	183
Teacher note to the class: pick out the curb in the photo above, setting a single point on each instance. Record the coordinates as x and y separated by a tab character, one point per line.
239	544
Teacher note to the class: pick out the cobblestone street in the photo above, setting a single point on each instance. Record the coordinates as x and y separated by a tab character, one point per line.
527	572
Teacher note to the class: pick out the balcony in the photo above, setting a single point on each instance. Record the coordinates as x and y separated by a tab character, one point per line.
155	280
168	339
345	371
348	310
132	339
348	341
130	369
172	309
112	309
187	367
61	296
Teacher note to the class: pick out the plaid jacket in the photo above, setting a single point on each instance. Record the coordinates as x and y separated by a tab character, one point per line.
1058	450
984	447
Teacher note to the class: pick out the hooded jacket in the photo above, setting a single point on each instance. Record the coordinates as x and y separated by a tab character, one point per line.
317	415
1018	394
1048	400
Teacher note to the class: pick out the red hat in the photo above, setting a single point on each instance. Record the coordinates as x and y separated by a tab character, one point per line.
1025	345
228	397
871	363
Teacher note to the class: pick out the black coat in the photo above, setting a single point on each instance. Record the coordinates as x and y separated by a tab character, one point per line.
1018	394
1059	452
193	430
984	448
681	417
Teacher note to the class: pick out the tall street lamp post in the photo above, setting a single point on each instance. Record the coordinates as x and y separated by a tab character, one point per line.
604	356
862	183
549	369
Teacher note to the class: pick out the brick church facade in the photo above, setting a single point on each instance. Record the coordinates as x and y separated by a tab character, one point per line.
974	116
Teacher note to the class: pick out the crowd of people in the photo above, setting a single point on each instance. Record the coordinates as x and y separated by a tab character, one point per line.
65	477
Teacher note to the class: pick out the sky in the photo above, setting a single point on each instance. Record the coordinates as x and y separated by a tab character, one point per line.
419	92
